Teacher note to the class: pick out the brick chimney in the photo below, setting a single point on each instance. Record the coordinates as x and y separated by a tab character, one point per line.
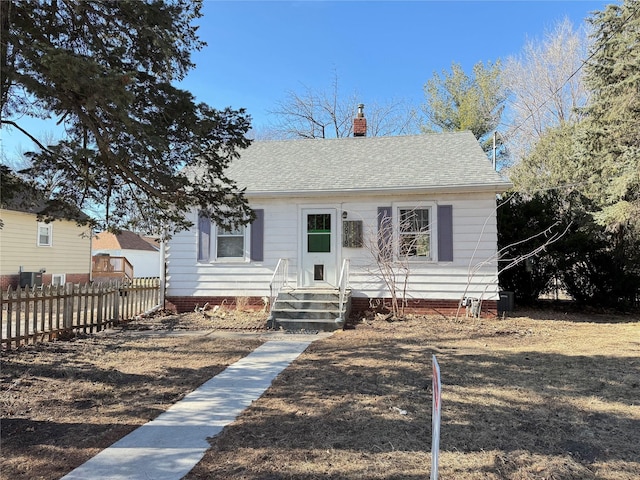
360	123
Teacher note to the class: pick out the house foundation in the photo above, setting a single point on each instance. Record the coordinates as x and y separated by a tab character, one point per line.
359	305
47	279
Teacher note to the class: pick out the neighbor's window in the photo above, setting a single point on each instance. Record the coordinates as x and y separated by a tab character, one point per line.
414	233
45	231
230	243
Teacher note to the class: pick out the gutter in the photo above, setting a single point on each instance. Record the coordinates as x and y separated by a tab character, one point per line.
466	188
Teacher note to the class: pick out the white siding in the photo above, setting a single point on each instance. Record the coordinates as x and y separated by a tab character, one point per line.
473	271
146	263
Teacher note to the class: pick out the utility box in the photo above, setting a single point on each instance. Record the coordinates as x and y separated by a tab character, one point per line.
30	279
506	302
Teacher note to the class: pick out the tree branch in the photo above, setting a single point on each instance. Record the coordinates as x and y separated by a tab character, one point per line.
31	137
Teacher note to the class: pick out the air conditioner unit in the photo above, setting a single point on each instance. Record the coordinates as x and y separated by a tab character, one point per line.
30	279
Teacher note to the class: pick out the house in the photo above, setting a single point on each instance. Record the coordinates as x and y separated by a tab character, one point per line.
140	253
331	207
35	252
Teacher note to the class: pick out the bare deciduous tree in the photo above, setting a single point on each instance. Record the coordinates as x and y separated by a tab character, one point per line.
328	113
545	82
394	248
550	234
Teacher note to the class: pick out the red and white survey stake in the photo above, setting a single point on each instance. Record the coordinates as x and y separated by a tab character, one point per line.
435	419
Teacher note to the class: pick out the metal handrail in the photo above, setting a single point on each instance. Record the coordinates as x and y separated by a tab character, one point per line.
279	280
343	283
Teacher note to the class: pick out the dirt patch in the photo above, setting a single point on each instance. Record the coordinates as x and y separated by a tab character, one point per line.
523	398
221	319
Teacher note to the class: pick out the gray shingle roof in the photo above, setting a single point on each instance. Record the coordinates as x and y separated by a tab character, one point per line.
417	162
28	200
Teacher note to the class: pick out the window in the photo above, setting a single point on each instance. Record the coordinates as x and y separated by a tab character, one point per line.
58	279
45	232
319	232
230	243
414	233
243	243
424	233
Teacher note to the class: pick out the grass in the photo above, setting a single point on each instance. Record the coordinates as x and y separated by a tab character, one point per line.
534	396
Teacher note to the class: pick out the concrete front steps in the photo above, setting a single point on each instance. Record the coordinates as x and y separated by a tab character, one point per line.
310	309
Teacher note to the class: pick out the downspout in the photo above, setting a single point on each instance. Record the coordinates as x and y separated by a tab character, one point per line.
91	235
163	269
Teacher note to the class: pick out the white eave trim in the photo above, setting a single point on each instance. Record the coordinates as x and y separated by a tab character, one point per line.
467	188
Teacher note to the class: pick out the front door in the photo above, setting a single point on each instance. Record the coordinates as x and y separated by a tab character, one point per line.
319	247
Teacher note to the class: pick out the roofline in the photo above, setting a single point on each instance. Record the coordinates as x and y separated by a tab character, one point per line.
82	217
474	188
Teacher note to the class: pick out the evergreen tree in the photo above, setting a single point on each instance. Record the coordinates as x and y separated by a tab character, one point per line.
610	133
549	165
587	168
328	113
135	144
457	101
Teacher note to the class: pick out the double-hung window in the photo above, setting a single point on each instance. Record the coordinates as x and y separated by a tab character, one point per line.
230	243
239	244
414	233
45	234
423	232
216	243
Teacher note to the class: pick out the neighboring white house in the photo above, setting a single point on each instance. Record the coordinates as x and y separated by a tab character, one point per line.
321	202
143	253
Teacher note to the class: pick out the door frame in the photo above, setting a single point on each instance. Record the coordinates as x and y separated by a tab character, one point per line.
331	274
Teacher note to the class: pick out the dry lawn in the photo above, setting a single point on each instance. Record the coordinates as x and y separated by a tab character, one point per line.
537	396
64	401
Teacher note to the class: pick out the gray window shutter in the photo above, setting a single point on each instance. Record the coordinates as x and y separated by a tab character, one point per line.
204	238
257	236
445	233
385	232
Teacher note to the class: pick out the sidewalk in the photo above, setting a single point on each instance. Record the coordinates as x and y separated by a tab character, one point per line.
168	447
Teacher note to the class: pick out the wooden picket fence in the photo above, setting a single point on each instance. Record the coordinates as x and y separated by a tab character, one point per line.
37	314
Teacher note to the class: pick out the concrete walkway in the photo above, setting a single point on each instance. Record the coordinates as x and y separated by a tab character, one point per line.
168	447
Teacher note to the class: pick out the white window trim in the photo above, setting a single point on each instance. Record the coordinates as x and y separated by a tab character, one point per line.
246	257
49	227
61	276
433	241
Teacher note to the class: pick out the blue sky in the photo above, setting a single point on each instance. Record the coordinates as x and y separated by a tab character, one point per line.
382	50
